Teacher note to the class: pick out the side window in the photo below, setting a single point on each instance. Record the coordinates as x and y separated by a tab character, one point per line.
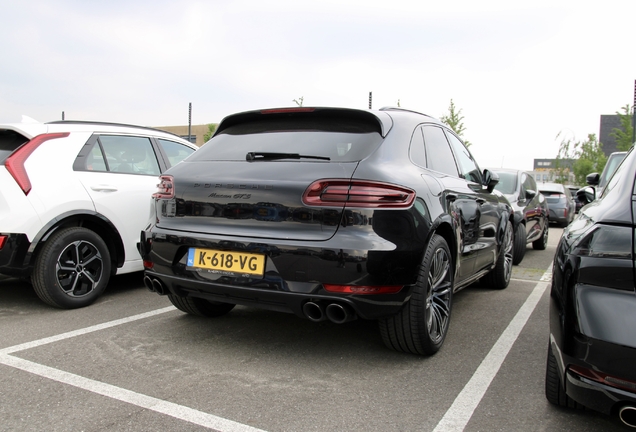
528	182
438	153
467	166
417	150
95	159
175	151
129	155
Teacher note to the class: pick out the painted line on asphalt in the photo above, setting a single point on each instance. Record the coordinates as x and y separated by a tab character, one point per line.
148	402
84	331
462	409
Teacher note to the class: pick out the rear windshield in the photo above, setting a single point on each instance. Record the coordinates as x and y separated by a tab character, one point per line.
338	142
9	141
553	196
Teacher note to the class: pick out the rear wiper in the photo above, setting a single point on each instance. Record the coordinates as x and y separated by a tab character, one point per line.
257	156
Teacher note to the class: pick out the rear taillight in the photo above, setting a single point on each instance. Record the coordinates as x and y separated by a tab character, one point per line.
363	289
3	239
15	162
165	188
358	193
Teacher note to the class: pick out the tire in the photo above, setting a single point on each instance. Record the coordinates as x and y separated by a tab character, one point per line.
554	391
200	307
421	326
499	277
542	243
519	244
72	269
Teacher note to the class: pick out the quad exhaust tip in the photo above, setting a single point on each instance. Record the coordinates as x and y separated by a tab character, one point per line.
334	312
154	285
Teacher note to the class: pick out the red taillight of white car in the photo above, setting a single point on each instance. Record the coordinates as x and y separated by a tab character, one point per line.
358	193
165	188
15	162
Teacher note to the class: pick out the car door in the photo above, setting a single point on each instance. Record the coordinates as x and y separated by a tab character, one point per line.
486	205
120	173
461	200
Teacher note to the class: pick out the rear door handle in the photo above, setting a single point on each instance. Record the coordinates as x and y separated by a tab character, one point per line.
104	188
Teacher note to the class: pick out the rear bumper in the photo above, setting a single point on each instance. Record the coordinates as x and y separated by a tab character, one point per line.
294	273
364	306
596	396
13	255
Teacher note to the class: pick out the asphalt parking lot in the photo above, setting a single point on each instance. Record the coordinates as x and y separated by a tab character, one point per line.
132	362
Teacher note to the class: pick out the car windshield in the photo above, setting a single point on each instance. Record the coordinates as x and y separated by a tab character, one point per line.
507	182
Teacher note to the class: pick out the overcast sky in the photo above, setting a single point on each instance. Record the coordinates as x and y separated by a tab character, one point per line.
521	72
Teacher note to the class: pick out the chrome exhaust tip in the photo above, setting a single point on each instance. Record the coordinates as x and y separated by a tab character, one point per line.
339	314
148	284
158	287
627	414
313	311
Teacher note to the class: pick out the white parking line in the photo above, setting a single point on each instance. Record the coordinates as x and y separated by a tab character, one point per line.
455	419
158	405
462	409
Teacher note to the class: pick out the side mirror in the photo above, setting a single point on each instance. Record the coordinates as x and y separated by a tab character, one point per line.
490	180
593	179
586	195
530	194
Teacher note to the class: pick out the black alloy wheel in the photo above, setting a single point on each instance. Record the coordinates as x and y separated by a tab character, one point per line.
72	269
499	277
421	326
542	243
519	244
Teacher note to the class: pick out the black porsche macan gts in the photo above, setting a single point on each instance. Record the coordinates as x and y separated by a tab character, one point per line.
330	213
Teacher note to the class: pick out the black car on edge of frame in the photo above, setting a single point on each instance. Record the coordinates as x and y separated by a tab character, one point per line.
381	215
592	350
531	223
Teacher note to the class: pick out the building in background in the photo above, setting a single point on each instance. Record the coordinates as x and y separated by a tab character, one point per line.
197	132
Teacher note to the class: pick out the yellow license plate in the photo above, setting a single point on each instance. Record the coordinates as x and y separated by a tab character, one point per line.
226	261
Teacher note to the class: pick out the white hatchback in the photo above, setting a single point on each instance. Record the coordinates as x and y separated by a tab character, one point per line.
74	198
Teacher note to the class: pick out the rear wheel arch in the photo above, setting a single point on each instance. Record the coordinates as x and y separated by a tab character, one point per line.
92	221
445	230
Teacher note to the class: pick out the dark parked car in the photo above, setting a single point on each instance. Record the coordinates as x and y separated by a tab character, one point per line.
531	223
613	161
394	193
592	350
560	203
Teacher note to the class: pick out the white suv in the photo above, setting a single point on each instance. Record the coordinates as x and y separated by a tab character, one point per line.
74	198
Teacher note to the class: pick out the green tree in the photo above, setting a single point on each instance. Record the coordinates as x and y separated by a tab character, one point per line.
210	132
455	120
299	101
625	135
579	157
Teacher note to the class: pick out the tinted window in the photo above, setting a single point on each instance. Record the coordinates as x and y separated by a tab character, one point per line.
126	154
467	166
418	152
175	152
9	141
438	153
337	146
